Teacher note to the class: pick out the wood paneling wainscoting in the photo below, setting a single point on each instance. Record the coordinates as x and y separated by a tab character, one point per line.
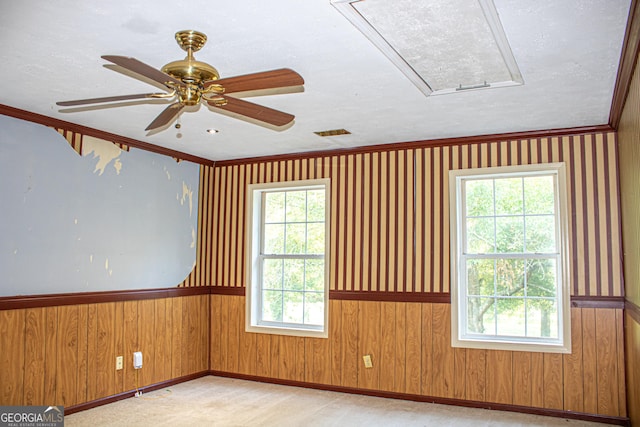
66	354
632	332
410	345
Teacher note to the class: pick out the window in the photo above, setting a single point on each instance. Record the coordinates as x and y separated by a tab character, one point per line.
509	278
288	241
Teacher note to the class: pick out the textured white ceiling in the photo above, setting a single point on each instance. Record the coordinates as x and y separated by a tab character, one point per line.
567	51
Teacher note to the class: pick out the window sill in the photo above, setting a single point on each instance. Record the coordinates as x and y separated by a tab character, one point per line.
511	345
288	331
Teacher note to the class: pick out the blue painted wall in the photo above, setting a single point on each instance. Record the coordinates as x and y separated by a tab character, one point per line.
107	220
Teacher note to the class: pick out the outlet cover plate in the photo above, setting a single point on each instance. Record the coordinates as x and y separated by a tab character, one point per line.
367	361
137	360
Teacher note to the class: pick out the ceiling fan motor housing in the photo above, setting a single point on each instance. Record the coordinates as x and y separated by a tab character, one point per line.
188	70
191	71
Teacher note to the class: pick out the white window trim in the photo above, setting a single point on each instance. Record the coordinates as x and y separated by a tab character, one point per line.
563	343
254	220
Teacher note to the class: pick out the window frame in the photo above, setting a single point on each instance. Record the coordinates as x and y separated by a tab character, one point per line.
255	223
458	289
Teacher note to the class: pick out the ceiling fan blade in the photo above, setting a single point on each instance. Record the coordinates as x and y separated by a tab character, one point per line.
283	77
253	111
166	117
143	69
112	99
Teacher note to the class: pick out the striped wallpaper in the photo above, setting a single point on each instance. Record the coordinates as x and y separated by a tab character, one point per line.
75	140
390	212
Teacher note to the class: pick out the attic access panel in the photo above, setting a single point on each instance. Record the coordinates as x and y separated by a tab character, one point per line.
442	46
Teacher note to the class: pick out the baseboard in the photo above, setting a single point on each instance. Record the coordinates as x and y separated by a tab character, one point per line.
127	394
557	413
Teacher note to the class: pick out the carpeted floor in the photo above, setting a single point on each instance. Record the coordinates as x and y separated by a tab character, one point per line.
217	401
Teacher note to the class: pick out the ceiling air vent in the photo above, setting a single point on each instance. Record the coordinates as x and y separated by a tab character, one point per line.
334	132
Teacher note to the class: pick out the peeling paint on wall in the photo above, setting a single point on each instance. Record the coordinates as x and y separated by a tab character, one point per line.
187	193
106	267
117	165
110	229
104	151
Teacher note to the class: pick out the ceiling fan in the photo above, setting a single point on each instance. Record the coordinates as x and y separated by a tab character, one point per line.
190	82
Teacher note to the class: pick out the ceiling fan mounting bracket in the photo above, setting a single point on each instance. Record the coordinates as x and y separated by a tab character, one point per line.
190	40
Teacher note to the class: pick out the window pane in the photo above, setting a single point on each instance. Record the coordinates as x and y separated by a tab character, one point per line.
480	235
296	206
273	239
315	205
508	252
272	306
288	283
541	278
274	207
479	197
510	234
480	277
511	320
296	239
315	238
480	316
539	195
542	318
293	274
272	274
293	307
541	234
314	308
510	277
508	196
314	275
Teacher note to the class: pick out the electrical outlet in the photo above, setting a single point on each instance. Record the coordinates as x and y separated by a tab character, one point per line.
367	361
137	360
119	363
